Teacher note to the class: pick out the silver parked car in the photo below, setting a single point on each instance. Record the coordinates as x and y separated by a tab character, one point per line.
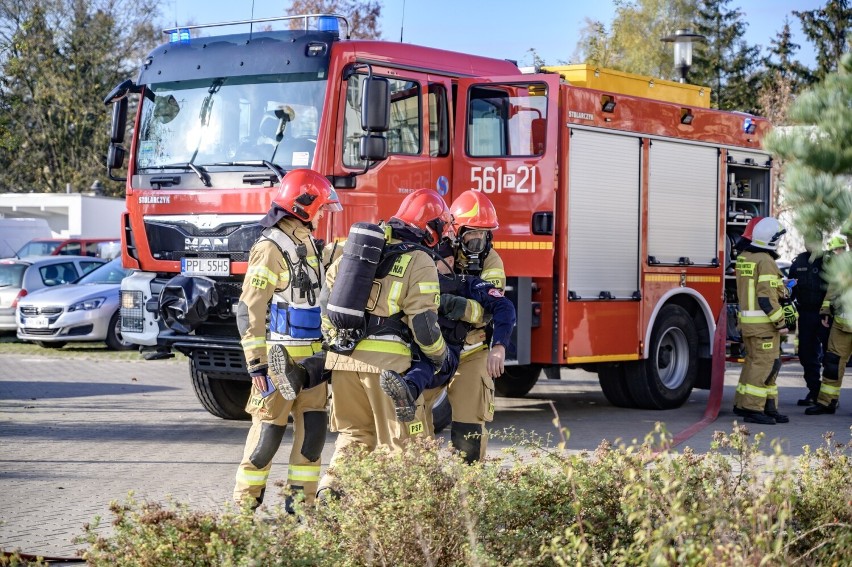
21	276
86	310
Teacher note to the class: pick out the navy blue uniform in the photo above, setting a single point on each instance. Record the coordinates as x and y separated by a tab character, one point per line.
809	293
422	374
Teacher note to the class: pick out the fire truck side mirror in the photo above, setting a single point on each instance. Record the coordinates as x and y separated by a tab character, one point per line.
373	147
375	105
119	121
115	156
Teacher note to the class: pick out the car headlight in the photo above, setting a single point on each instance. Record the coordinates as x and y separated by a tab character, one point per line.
87	304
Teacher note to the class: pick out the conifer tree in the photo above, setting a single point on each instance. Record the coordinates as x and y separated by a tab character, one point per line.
828	29
818	171
781	60
725	61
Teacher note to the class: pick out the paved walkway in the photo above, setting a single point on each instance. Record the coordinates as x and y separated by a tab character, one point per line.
76	434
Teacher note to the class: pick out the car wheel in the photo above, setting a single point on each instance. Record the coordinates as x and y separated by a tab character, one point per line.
517	381
46	344
114	338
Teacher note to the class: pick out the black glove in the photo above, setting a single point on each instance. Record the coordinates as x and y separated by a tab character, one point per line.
452	306
790	314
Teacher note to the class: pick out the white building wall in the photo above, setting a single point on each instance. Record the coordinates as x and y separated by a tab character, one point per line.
68	214
101	218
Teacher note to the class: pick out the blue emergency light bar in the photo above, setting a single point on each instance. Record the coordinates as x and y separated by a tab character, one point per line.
318	22
178	35
328	24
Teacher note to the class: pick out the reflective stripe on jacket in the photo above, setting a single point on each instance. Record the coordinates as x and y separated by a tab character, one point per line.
760	286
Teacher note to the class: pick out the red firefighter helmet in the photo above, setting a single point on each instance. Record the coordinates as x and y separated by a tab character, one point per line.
749	229
427	212
472	209
302	193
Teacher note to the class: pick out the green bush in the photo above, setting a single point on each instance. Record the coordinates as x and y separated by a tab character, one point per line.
636	504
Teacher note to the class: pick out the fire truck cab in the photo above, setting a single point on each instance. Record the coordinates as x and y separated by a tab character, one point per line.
614	207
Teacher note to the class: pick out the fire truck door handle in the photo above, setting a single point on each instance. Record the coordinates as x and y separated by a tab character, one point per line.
542	223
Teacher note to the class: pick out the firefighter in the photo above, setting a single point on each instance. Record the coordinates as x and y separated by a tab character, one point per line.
471	390
838	353
284	279
765	314
466	302
402	309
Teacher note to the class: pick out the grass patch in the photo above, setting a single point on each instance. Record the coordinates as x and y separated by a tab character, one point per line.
10	344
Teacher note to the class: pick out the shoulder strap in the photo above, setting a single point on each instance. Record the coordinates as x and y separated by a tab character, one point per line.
392	251
303	278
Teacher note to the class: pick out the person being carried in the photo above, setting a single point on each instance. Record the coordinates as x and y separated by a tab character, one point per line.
466	302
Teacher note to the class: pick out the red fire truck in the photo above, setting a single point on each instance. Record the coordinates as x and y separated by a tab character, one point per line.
616	210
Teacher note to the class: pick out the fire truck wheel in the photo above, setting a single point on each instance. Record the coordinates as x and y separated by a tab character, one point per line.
665	379
613	380
221	397
517	381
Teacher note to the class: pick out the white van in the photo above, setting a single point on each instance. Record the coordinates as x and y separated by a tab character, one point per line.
16	232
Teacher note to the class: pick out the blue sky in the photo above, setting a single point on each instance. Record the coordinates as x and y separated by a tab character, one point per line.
505	29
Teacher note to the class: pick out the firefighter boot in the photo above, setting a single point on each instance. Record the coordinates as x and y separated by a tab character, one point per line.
289	376
751	416
819	409
810	399
404	400
771	409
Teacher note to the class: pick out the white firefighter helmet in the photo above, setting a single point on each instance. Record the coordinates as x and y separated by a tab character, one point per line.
766	234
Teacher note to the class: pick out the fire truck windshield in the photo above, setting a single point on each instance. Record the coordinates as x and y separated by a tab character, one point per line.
231	122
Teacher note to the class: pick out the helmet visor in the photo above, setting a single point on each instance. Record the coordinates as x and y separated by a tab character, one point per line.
474	241
332	204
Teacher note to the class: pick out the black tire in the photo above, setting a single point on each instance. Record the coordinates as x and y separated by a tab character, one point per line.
613	379
442	412
114	339
517	381
50	344
220	396
666	378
